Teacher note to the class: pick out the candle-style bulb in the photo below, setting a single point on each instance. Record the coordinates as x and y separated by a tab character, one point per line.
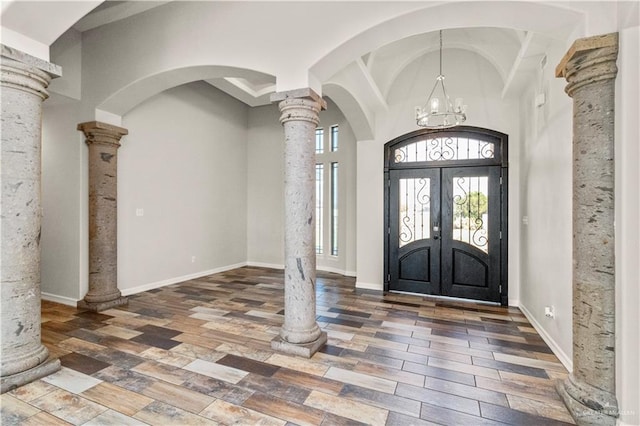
435	104
458	104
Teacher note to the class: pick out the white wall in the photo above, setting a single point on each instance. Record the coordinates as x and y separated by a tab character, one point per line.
546	194
67	53
265	192
346	157
468	75
627	228
62	148
265	233
63	266
184	163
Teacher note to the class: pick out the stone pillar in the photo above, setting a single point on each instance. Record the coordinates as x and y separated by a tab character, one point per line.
590	70
24	82
103	140
300	334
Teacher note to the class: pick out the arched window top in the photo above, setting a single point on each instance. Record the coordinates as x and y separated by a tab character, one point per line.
462	145
443	149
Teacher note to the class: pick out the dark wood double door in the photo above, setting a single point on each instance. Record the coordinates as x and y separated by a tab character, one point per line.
446	221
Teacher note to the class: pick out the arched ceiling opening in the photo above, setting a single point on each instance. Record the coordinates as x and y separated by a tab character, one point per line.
237	82
362	56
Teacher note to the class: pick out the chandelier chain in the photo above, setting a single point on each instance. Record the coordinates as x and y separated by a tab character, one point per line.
441	52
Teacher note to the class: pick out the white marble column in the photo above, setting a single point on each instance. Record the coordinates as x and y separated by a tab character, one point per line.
300	333
590	70
24	83
103	140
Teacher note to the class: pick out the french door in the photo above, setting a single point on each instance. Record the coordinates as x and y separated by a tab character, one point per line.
446	222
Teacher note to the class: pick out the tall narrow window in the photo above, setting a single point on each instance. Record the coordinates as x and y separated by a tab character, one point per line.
319	207
319	140
334	209
334	138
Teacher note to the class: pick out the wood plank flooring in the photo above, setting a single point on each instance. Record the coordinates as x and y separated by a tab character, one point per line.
199	352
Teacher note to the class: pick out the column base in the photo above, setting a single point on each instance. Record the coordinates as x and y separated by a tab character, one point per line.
587	405
102	306
300	349
9	383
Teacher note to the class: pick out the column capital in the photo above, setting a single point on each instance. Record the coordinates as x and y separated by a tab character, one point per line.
25	72
303	93
589	60
102	133
299	105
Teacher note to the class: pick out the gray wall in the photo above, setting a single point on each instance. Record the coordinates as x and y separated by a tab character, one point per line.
265	243
183	163
61	244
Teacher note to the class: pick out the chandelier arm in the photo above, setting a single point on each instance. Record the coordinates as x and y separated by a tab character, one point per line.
426	105
449	105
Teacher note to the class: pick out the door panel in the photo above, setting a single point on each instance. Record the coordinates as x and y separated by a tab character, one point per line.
468	269
415	201
471	232
444	231
416	265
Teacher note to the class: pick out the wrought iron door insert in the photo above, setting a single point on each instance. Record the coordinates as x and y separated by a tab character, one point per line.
445	221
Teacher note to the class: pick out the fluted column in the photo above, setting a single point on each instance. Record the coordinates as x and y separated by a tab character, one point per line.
590	70
23	84
300	333
103	140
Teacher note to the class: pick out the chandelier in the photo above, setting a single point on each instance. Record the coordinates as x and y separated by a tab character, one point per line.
431	115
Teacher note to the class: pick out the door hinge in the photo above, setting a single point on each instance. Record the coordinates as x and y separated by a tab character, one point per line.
500	180
500	288
500	234
389	230
388	277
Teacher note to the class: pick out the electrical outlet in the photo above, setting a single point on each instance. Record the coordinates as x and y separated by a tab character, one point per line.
139	211
549	312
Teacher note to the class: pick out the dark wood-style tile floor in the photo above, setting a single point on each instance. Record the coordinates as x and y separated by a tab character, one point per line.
199	352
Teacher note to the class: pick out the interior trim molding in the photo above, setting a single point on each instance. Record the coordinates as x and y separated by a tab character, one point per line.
562	356
318	268
176	280
265	265
369	286
63	300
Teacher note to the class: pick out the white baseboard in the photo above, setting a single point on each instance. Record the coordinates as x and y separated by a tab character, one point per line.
336	271
319	268
59	299
564	359
151	286
163	283
369	286
514	302
265	265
